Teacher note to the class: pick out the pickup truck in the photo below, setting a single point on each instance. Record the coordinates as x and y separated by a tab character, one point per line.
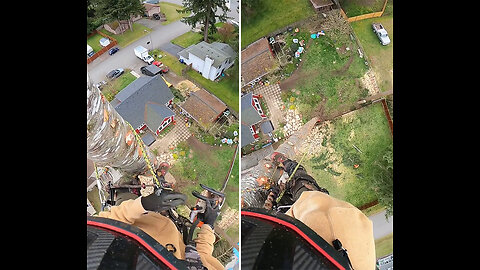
142	53
381	33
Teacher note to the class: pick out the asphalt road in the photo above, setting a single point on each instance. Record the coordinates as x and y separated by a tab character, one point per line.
381	226
159	38
125	57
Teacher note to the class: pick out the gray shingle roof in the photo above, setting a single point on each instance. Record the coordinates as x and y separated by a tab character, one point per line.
155	114
246	135
217	51
266	127
250	116
130	102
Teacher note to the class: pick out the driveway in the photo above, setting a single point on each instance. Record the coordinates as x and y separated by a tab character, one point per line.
171	48
125	57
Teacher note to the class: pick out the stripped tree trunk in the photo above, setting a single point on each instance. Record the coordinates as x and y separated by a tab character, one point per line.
110	139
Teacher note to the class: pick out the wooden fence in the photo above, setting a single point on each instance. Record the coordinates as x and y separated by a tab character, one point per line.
113	42
364	16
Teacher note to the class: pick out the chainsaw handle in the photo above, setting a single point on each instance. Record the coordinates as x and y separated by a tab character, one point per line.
211	190
200	196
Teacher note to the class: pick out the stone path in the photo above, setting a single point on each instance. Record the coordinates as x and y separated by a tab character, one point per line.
272	96
177	134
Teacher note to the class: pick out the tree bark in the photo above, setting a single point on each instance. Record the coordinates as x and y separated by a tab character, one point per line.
205	25
110	139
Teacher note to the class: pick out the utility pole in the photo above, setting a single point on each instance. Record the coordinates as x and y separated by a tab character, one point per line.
110	139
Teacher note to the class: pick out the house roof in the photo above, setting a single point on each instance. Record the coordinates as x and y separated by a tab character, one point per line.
246	135
148	138
203	107
131	102
257	60
250	116
216	51
155	113
266	126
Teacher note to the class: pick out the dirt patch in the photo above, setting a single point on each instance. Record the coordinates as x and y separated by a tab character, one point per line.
297	76
345	67
185	87
202	149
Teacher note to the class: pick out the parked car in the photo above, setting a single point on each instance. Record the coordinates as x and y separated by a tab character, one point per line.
115	73
381	33
112	51
156	16
90	51
150	70
162	67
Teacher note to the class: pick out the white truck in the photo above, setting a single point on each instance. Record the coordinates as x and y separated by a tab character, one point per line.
381	33
90	51
142	53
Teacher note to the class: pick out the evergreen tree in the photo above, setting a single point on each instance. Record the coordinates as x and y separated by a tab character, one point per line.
203	11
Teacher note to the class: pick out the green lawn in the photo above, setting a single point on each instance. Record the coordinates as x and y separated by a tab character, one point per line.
187	39
355	7
328	75
272	15
333	166
210	168
171	13
169	60
94	42
128	36
226	89
384	246
113	87
381	57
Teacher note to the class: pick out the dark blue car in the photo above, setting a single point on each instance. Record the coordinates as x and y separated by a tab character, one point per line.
113	50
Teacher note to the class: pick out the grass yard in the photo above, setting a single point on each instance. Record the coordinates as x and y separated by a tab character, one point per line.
350	159
128	36
94	42
187	39
171	13
115	86
329	78
272	15
384	246
359	7
207	165
169	60
381	57
226	89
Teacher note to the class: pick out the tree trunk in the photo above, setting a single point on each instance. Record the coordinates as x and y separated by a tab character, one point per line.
205	25
110	140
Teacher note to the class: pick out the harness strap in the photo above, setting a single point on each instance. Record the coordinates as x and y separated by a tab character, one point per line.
338	246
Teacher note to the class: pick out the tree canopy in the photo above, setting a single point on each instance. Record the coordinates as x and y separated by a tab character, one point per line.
105	11
204	12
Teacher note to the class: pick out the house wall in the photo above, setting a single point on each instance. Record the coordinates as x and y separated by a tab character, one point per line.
142	127
258	107
196	62
214	72
164	121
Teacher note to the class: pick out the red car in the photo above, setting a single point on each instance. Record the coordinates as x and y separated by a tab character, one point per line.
161	66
